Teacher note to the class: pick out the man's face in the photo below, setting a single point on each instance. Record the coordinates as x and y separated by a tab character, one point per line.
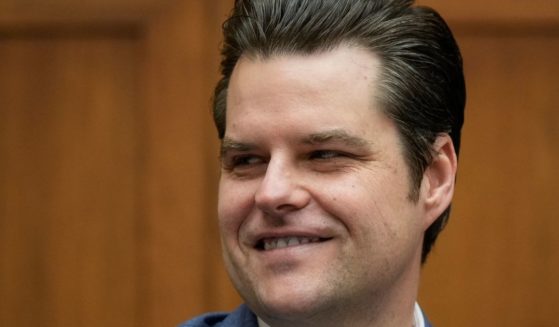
313	202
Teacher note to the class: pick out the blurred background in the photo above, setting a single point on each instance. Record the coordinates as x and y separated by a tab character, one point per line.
108	165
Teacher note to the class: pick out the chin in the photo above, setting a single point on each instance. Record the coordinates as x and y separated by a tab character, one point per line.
289	304
287	311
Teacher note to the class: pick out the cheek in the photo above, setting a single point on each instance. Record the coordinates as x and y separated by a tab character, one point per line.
234	205
365	203
352	198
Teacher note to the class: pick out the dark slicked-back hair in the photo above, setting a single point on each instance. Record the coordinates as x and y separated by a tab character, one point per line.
421	84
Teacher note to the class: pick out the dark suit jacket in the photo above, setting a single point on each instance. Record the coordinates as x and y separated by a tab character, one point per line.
242	317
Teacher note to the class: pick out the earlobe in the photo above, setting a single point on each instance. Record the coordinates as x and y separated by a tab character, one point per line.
439	178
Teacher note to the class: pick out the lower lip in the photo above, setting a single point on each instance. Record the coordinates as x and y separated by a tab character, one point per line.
290	253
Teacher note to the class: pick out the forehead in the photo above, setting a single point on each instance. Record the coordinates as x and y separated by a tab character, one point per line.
344	77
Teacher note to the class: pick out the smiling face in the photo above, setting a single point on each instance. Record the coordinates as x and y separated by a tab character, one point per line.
314	207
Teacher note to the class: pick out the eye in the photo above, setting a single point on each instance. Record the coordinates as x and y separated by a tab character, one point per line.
241	161
246	160
326	154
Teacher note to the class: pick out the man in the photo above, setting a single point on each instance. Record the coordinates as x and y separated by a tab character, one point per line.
340	125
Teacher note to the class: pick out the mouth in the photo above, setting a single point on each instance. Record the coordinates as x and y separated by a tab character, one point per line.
274	243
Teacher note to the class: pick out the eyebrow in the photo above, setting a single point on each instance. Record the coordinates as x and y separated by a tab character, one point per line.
330	136
228	144
336	135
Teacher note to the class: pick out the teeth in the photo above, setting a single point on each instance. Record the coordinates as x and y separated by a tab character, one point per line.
292	241
283	242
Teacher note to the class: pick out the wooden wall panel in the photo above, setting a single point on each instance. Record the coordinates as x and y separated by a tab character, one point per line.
17	13
183	251
68	181
496	263
539	12
161	259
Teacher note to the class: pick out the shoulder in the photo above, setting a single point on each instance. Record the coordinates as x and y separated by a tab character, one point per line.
242	317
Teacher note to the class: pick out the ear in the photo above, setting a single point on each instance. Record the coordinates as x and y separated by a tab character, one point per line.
438	179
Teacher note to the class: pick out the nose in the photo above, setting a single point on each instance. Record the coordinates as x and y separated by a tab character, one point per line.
281	191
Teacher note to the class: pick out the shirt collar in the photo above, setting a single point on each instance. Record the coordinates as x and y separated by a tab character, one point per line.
419	319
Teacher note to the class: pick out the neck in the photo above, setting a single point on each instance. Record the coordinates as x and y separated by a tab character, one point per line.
418	319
